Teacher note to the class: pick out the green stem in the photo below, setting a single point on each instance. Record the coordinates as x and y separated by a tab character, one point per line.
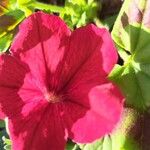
52	8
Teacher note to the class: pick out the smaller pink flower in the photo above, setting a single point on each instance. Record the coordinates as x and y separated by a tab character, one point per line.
53	85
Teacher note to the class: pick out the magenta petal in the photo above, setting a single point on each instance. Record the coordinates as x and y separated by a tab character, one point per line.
40	130
15	84
89	71
54	84
41	44
12	71
91	48
105	103
12	74
89	92
108	51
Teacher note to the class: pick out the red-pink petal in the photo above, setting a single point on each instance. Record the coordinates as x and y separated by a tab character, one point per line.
88	124
41	44
89	67
48	58
12	74
58	56
40	130
12	71
91	50
87	63
108	50
17	87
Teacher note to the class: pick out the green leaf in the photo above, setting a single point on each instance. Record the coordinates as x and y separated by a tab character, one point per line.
5	41
76	2
1	141
34	5
24	5
127	27
24	2
109	21
7	143
107	143
131	33
70	145
7	5
79	12
3	6
8	26
123	137
97	145
2	124
4	141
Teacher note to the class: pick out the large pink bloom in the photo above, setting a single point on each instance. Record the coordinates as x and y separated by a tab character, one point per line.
53	85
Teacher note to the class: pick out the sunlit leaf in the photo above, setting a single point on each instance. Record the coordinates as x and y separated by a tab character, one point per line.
3	6
7	143
24	6
8	24
7	5
78	13
3	136
131	33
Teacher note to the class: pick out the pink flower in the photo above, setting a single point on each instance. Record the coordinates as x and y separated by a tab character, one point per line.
54	86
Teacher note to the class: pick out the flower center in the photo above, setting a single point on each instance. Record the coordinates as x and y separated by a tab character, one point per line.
52	98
